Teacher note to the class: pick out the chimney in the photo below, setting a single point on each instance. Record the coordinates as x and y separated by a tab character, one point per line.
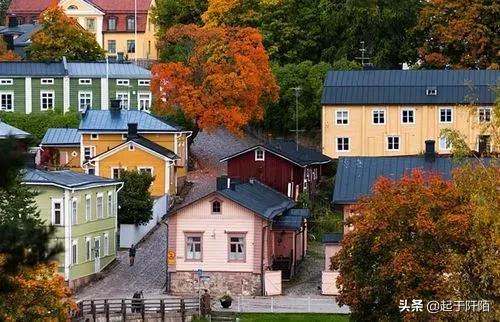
120	57
115	105
13	22
132	130
221	183
430	152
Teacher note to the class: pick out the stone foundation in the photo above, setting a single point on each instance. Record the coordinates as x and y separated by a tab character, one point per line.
236	283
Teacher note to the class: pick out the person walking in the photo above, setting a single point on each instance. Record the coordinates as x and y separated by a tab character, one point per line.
131	254
205	305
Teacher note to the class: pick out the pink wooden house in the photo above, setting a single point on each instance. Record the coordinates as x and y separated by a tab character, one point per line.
237	235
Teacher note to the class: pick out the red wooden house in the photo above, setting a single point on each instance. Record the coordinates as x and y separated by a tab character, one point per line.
283	165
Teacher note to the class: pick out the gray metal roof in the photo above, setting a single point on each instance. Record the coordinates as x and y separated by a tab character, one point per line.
117	121
25	68
68	179
332	238
259	198
61	136
356	175
116	70
7	130
409	87
291	219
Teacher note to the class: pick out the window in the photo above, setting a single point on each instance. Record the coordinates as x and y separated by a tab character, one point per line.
378	116
46	100
193	247
88	200
431	91
484	144
130	23
84	101
124	136
408	116
94	136
88	249
74	211
115	172
6	81
90	23
445	115
130	46
484	114
7	101
393	143
110	204
342	117
236	248
342	144
216	207
144	101
146	170
112	46
57	212
88	152
74	252
85	81
123	82
97	247
111	24
144	82
259	155
124	100
47	81
444	144
106	244
72	7
98	206
91	171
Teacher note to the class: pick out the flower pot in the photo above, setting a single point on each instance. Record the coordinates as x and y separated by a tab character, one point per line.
226	304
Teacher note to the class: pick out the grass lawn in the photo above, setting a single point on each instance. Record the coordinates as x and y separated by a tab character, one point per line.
293	317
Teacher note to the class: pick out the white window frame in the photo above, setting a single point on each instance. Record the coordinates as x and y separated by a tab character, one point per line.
42	92
412	110
139	101
144	82
61	211
92	151
94	136
106	244
74	252
244	251
451	114
337	119
383	112
11	93
123	82
444	144
144	168
6	81
88	207
85	81
88	249
80	93
343	143
99	249
47	81
74	211
110	204
121	100
484	109
99	214
387	139
124	136
131	147
263	157
114	168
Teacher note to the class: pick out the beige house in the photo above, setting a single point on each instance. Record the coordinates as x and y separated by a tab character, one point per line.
393	112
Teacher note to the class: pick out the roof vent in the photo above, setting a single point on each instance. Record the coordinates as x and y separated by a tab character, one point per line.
431	91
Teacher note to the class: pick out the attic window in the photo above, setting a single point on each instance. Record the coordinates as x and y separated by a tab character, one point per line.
216	207
131	147
431	91
72	7
259	155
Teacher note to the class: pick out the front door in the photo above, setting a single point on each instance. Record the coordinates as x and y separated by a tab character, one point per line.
484	144
97	254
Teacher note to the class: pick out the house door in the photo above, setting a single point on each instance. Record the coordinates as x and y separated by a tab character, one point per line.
97	254
484	144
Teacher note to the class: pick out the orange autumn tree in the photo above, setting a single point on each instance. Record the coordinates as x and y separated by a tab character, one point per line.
404	239
6	54
214	76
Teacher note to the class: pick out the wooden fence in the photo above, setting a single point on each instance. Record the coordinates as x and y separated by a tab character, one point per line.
132	307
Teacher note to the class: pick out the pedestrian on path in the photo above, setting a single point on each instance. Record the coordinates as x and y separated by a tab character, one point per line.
205	305
131	254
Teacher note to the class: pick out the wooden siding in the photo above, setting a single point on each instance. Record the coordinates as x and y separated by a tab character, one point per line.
75	87
18	88
215	228
37	87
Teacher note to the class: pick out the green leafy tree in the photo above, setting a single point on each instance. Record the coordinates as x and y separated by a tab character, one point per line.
4	5
135	204
168	13
61	36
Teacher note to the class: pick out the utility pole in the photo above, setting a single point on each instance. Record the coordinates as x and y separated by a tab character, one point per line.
135	31
297	93
363	57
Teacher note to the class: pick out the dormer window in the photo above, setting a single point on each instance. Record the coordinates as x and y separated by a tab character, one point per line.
216	207
259	155
431	91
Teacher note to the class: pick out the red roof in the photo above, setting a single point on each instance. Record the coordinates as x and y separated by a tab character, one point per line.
23	6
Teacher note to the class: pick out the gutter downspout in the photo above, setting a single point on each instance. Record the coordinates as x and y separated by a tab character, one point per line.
262	284
167	277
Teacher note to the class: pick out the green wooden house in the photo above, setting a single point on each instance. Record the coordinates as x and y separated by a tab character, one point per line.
83	208
33	87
